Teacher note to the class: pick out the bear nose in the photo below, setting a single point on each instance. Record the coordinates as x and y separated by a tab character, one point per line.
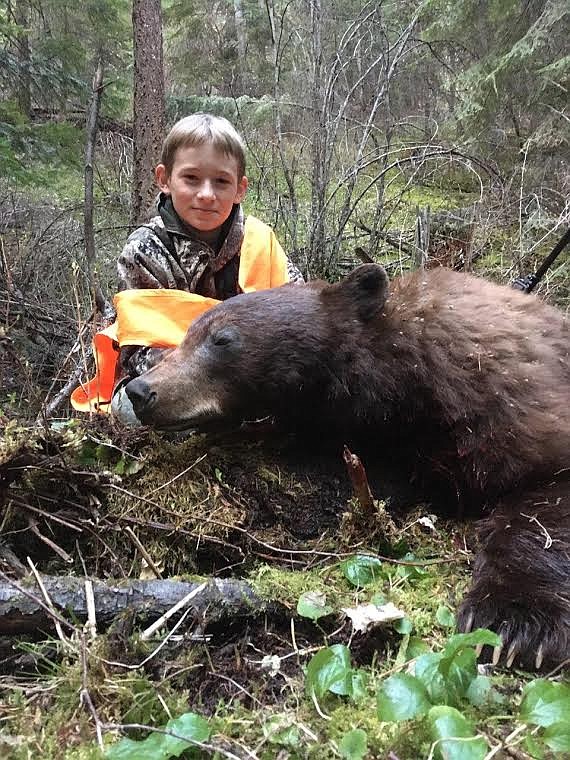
140	395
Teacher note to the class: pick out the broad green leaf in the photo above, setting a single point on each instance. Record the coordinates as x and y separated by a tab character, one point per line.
401	697
359	690
361	570
378	599
125	749
160	746
403	626
534	747
354	745
462	640
410	572
447	679
557	736
481	692
330	670
128	466
460	673
282	730
312	605
545	703
445	617
416	647
454	735
428	673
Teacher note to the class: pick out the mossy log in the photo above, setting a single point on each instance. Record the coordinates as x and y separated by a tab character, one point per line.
23	609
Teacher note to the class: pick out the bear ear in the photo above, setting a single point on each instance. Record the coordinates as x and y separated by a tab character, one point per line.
366	288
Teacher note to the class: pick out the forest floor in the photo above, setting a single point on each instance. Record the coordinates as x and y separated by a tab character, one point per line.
276	669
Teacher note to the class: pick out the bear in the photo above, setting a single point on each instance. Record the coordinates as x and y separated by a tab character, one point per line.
464	379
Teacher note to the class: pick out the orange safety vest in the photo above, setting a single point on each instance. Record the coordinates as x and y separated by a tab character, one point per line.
161	317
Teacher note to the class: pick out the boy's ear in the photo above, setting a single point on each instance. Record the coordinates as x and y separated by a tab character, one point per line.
241	189
161	176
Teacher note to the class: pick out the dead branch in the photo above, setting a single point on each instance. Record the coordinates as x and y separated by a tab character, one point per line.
149	599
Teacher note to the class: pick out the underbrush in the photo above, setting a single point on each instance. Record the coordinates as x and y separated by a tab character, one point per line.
339	643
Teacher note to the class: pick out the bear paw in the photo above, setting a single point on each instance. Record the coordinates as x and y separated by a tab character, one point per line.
535	633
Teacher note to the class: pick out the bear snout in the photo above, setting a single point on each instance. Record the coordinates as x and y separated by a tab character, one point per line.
141	396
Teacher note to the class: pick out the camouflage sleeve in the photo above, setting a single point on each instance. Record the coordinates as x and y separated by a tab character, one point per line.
293	272
145	262
136	360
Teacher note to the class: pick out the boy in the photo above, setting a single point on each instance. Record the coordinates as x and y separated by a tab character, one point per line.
200	243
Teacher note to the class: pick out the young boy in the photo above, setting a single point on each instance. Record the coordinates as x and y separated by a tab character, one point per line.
200	243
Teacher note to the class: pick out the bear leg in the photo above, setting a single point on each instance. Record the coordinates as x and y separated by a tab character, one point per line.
521	580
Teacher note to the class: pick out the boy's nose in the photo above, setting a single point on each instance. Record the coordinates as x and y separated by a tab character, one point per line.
206	190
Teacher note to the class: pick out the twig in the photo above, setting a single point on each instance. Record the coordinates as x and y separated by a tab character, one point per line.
147	633
148	559
63	638
90	603
57	549
172	480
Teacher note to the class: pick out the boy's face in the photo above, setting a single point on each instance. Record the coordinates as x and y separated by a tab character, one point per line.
204	186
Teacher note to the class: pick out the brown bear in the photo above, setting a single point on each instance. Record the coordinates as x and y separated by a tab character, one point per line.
465	379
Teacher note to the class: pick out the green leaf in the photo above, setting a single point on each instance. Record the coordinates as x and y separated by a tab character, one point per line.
359	688
533	747
410	572
416	647
445	617
282	730
354	745
462	640
481	692
401	697
128	466
361	570
557	736
403	626
330	670
160	746
545	703
459	673
312	605
454	735
428	673
447	679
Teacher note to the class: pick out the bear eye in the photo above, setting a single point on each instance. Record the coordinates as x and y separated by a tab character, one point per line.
224	337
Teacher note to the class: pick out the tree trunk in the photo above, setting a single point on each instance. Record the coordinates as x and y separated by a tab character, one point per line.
148	105
318	142
91	138
241	35
22	18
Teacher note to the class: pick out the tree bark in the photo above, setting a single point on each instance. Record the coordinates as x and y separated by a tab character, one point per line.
148	105
241	35
22	18
88	206
149	599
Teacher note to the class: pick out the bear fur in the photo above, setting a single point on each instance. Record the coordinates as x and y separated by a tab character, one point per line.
466	380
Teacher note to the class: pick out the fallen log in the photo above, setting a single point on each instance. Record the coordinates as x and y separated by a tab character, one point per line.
22	609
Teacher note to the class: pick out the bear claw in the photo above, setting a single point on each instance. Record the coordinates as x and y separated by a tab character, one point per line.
511	654
469	623
497	652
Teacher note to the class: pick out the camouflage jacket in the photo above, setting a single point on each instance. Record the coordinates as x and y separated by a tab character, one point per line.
165	254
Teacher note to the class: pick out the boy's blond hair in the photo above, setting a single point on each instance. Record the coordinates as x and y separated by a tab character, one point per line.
201	129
